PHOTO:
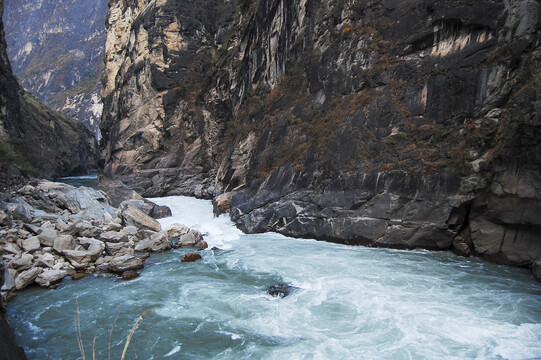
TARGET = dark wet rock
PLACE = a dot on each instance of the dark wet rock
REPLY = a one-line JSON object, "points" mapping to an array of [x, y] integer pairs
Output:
{"points": [[160, 212], [129, 275], [536, 270], [280, 290], [144, 256], [78, 276], [202, 245], [190, 257]]}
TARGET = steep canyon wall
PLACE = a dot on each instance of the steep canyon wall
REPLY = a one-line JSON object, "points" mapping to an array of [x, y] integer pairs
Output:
{"points": [[383, 123]]}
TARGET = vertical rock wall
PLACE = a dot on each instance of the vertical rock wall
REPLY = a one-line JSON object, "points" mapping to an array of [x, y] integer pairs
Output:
{"points": [[401, 124]]}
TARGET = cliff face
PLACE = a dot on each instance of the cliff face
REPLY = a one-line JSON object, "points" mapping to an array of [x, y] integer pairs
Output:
{"points": [[56, 50], [33, 136], [153, 133], [384, 123]]}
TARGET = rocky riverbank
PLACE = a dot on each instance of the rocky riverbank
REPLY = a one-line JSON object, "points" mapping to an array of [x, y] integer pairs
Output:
{"points": [[51, 230]]}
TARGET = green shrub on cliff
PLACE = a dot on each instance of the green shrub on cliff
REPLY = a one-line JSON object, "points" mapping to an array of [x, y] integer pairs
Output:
{"points": [[9, 156]]}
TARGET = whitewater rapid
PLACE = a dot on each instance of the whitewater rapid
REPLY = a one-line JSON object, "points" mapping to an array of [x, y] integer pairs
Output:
{"points": [[349, 303]]}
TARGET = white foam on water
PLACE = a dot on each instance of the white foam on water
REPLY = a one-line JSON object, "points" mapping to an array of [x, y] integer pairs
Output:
{"points": [[197, 214], [173, 351], [350, 302]]}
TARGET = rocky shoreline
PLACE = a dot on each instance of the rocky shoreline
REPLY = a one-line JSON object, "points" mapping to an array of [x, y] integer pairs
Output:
{"points": [[50, 231]]}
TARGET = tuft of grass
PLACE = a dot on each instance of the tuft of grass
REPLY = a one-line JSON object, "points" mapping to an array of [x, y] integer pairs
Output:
{"points": [[77, 321], [9, 156]]}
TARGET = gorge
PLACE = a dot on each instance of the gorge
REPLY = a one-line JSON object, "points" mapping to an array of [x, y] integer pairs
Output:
{"points": [[408, 124], [405, 125]]}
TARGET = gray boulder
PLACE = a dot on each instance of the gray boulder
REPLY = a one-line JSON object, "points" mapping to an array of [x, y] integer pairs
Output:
{"points": [[45, 261], [12, 248], [21, 262], [31, 244], [49, 277], [90, 204], [94, 248], [157, 243], [177, 230], [9, 279], [117, 249], [63, 243], [125, 262], [190, 239], [5, 219], [86, 229], [114, 236], [47, 237], [135, 217], [79, 259], [21, 212], [26, 277]]}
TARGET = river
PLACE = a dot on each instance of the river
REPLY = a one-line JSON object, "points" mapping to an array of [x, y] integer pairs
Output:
{"points": [[348, 303]]}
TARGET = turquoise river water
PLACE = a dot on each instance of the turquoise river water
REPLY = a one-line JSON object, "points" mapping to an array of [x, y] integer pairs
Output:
{"points": [[349, 303]]}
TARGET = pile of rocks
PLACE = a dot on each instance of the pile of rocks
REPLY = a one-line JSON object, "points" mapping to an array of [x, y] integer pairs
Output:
{"points": [[49, 231]]}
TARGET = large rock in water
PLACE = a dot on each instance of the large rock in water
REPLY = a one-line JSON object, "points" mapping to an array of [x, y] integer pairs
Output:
{"points": [[190, 257]]}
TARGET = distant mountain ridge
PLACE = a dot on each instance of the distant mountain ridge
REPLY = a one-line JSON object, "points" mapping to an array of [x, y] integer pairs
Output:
{"points": [[36, 138], [56, 50]]}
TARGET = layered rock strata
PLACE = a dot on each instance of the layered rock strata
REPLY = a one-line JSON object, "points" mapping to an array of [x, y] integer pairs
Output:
{"points": [[400, 124]]}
